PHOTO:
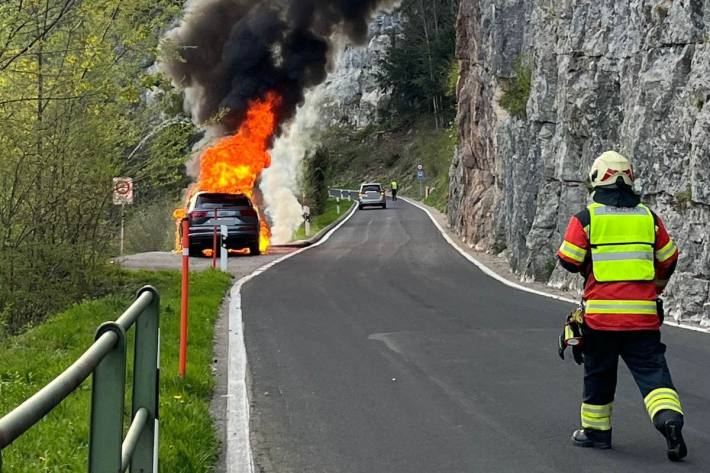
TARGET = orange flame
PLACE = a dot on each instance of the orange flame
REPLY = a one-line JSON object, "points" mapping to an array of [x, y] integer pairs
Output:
{"points": [[235, 163]]}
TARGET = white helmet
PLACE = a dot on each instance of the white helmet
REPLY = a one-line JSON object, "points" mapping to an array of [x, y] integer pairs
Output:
{"points": [[608, 167]]}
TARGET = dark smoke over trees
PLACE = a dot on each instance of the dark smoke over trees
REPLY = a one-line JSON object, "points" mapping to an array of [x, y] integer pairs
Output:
{"points": [[229, 52]]}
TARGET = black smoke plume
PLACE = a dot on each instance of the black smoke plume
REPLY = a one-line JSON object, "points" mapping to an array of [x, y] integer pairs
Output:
{"points": [[229, 52]]}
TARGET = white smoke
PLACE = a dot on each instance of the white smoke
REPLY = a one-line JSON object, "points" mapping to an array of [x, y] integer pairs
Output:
{"points": [[279, 183]]}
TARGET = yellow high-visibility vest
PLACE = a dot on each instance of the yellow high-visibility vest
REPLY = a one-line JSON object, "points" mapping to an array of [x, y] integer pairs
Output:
{"points": [[393, 185], [622, 240]]}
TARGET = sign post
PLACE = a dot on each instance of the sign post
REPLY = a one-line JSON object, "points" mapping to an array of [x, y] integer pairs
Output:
{"points": [[307, 219], [122, 195], [420, 178]]}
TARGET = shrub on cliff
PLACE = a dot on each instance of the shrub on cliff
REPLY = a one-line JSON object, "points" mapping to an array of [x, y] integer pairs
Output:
{"points": [[515, 96]]}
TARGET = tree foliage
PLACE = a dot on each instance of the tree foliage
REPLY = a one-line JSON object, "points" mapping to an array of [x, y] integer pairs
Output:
{"points": [[76, 99], [314, 180], [420, 65]]}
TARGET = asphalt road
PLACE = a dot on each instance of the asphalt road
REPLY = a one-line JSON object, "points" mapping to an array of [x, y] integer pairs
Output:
{"points": [[385, 351]]}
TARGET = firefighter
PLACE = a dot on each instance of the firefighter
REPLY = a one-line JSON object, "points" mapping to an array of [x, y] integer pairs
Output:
{"points": [[626, 257]]}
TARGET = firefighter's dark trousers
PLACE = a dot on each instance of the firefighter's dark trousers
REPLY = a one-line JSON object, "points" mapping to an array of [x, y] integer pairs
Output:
{"points": [[644, 354]]}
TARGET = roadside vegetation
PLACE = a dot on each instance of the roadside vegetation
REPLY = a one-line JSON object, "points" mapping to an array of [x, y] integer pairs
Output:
{"points": [[59, 442], [80, 103]]}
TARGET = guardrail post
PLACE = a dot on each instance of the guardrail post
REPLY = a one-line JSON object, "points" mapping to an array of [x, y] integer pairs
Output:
{"points": [[107, 393], [146, 384]]}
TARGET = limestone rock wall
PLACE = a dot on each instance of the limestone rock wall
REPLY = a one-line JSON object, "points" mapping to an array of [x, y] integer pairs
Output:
{"points": [[630, 75], [352, 95]]}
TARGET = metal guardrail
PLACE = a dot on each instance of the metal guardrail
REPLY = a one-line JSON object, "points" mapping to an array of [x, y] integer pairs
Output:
{"points": [[106, 359], [343, 194]]}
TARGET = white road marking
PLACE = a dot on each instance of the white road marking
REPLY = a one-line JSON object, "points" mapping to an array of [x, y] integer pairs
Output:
{"points": [[519, 287], [239, 454]]}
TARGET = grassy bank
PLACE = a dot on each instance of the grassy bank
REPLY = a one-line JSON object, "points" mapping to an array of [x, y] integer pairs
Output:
{"points": [[319, 222], [380, 153], [59, 443]]}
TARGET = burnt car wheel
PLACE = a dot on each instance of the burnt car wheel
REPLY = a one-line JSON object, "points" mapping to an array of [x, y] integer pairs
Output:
{"points": [[254, 250], [196, 250]]}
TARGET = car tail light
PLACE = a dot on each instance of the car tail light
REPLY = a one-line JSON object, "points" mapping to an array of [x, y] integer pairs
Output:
{"points": [[197, 214], [248, 213]]}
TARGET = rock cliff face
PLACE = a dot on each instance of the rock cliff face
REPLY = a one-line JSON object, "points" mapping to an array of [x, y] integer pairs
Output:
{"points": [[630, 75], [352, 95]]}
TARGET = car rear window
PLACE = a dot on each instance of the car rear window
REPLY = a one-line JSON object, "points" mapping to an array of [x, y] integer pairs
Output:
{"points": [[211, 201], [371, 188]]}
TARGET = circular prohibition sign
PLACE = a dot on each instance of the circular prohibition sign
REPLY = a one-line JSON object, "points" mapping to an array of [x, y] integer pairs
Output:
{"points": [[123, 187]]}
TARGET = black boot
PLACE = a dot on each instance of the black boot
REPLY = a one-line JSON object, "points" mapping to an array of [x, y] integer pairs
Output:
{"points": [[591, 438], [670, 424]]}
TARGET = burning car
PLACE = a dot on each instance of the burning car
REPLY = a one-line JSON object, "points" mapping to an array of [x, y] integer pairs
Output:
{"points": [[206, 210]]}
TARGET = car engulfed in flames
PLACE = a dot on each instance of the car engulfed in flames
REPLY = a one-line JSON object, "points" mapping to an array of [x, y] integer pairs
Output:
{"points": [[232, 167]]}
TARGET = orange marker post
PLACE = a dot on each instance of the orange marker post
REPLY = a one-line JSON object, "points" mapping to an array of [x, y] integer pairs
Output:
{"points": [[214, 243], [185, 291]]}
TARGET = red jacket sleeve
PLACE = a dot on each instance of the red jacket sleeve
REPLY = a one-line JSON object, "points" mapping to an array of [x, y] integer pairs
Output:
{"points": [[666, 254], [575, 246]]}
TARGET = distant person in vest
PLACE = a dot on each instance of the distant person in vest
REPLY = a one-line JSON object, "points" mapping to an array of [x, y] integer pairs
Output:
{"points": [[393, 187], [626, 257]]}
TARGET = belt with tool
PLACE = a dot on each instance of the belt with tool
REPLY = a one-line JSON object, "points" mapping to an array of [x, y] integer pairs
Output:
{"points": [[571, 335]]}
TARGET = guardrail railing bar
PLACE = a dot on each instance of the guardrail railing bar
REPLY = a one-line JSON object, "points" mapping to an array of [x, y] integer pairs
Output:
{"points": [[131, 440], [107, 393], [19, 420], [146, 383], [143, 300], [106, 359]]}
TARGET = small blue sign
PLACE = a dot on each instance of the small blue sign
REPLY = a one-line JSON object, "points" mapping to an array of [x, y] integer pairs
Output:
{"points": [[420, 175]]}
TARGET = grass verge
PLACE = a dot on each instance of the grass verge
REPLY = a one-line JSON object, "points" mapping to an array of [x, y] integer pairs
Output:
{"points": [[59, 442], [319, 222]]}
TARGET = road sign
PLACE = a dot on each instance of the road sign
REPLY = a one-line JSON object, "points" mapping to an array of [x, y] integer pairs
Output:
{"points": [[420, 167], [420, 175], [122, 190]]}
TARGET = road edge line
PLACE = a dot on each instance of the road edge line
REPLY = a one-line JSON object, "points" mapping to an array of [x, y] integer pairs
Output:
{"points": [[485, 269], [239, 456]]}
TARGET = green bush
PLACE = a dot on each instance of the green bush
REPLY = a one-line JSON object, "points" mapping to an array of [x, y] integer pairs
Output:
{"points": [[683, 198], [151, 227], [515, 96]]}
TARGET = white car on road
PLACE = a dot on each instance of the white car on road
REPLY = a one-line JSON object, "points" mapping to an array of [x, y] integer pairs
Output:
{"points": [[371, 194]]}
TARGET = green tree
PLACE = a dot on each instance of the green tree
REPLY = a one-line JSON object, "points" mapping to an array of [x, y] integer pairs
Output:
{"points": [[418, 67], [76, 97], [315, 176]]}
